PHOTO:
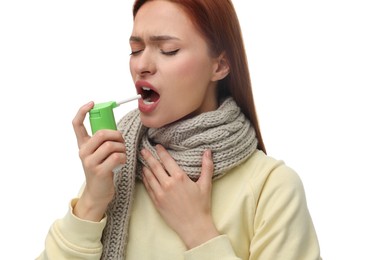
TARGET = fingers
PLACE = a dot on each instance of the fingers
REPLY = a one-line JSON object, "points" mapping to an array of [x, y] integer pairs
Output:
{"points": [[169, 167], [205, 180], [168, 162], [114, 161], [103, 137], [104, 151], [78, 123], [150, 182], [157, 169]]}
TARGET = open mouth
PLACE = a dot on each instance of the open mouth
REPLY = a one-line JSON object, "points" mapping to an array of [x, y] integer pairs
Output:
{"points": [[149, 96]]}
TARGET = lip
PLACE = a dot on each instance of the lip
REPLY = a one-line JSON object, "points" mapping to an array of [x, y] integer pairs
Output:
{"points": [[143, 107]]}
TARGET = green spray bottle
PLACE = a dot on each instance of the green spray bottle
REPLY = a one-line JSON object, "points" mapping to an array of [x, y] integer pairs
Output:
{"points": [[101, 116]]}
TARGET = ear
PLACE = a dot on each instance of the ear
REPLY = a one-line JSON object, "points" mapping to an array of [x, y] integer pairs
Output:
{"points": [[220, 68]]}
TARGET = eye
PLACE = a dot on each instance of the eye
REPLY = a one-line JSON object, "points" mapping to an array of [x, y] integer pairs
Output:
{"points": [[133, 53], [170, 53]]}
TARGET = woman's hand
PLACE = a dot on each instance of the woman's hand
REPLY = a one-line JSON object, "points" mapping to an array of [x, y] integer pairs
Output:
{"points": [[99, 155], [185, 205]]}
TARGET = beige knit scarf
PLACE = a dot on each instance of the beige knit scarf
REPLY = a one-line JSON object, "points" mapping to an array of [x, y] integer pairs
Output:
{"points": [[225, 131]]}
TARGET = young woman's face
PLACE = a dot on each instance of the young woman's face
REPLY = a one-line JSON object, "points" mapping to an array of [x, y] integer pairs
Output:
{"points": [[171, 65]]}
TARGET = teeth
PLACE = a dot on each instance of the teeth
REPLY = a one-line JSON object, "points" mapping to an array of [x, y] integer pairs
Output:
{"points": [[147, 101]]}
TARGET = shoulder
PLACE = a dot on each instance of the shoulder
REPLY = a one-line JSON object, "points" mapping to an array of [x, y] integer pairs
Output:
{"points": [[282, 223], [265, 173]]}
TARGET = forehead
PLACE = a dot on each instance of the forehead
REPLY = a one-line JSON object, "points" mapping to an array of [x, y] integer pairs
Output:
{"points": [[162, 18]]}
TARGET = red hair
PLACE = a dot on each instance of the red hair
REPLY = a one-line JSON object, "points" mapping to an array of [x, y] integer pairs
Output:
{"points": [[217, 21]]}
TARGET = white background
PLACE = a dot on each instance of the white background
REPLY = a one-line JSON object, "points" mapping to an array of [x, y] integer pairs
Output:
{"points": [[307, 66]]}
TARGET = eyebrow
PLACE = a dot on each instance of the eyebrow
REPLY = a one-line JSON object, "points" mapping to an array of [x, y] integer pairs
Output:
{"points": [[157, 38]]}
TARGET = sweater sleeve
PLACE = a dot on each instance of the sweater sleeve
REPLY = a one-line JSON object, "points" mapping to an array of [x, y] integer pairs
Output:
{"points": [[283, 228], [73, 238]]}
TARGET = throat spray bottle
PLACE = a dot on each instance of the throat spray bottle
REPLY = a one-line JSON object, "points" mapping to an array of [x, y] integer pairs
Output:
{"points": [[101, 116]]}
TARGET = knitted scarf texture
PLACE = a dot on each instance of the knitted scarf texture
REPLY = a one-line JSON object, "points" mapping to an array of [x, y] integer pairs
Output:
{"points": [[225, 131]]}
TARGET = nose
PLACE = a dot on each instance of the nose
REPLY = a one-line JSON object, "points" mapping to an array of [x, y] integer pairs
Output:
{"points": [[144, 63]]}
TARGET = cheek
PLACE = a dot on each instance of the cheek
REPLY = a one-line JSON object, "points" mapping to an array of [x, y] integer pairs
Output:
{"points": [[189, 69], [188, 81], [131, 69]]}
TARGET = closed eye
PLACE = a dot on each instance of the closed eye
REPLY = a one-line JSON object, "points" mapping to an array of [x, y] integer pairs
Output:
{"points": [[170, 53], [133, 53]]}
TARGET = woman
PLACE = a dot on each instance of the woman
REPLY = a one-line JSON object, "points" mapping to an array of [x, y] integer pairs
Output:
{"points": [[195, 182]]}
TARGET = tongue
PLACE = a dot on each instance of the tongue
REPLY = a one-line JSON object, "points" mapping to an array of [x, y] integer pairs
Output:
{"points": [[152, 96]]}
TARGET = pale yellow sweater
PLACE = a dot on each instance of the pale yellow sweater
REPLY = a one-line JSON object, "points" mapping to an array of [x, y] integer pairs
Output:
{"points": [[259, 208]]}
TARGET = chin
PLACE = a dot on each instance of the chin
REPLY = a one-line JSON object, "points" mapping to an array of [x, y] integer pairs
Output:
{"points": [[151, 122]]}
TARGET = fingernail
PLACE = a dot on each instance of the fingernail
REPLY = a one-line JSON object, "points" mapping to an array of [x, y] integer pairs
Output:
{"points": [[208, 153], [90, 104], [143, 152]]}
